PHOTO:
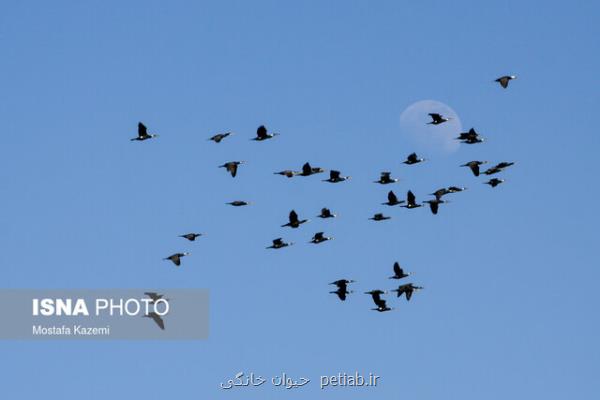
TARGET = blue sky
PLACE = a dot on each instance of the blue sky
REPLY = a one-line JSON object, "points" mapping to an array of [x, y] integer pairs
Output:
{"points": [[510, 304]]}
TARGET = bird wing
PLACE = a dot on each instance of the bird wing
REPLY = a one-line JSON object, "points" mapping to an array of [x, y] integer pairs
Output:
{"points": [[306, 169], [397, 269], [409, 293], [232, 168], [334, 175], [412, 157], [434, 206], [341, 294], [293, 217], [475, 169], [392, 197], [261, 132], [319, 235], [435, 117], [142, 130], [278, 241], [325, 212], [410, 197], [386, 174]]}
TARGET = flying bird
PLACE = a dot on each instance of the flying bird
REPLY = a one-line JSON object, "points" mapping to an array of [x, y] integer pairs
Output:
{"points": [[143, 133], [379, 217], [456, 189], [407, 289], [238, 203], [287, 173], [386, 178], [412, 159], [411, 201], [279, 243], [320, 237], [335, 177], [437, 119], [191, 236], [294, 222], [494, 182], [342, 288], [493, 170], [504, 164], [176, 258], [220, 136], [504, 80], [326, 213], [262, 134], [379, 302], [392, 199], [308, 170], [398, 272], [232, 167], [156, 318], [470, 137]]}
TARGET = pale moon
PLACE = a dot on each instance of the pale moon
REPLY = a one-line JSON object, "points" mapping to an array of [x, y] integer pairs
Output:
{"points": [[440, 138]]}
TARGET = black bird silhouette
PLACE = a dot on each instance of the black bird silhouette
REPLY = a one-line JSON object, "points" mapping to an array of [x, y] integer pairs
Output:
{"points": [[143, 133], [474, 166], [191, 236], [288, 173], [156, 318], [503, 80], [492, 170], [392, 199], [262, 134], [386, 178], [294, 221], [504, 164], [320, 237], [434, 204], [411, 201], [437, 119], [470, 137], [279, 243], [399, 272], [412, 159], [494, 182], [326, 213], [176, 258], [379, 217], [308, 170], [342, 288], [379, 302], [238, 203], [456, 189], [219, 136], [232, 167], [335, 177], [407, 289]]}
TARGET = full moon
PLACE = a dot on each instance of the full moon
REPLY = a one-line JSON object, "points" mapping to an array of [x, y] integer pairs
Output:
{"points": [[438, 138]]}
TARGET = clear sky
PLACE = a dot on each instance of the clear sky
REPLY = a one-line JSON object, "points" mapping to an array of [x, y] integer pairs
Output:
{"points": [[510, 306]]}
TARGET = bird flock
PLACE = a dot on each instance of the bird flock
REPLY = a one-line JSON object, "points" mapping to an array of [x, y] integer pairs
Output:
{"points": [[335, 176]]}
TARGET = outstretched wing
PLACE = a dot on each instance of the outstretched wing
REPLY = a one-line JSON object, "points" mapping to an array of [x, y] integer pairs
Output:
{"points": [[397, 269], [410, 197], [392, 199], [232, 168], [412, 157], [142, 130], [334, 175], [293, 217], [306, 169], [261, 132]]}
